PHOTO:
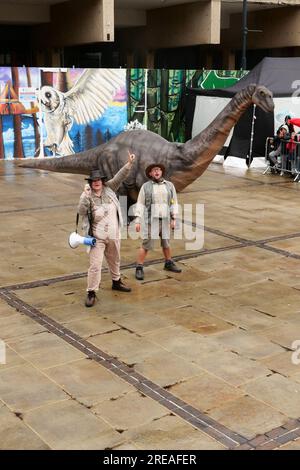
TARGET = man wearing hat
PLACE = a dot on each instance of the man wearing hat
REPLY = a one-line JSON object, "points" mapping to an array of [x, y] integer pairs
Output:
{"points": [[157, 206], [102, 218]]}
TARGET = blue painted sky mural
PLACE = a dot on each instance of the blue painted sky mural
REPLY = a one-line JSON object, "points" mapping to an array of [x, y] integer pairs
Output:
{"points": [[28, 138], [13, 79]]}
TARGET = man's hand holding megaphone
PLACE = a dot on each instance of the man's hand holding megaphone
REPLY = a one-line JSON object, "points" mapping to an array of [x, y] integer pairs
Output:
{"points": [[87, 190]]}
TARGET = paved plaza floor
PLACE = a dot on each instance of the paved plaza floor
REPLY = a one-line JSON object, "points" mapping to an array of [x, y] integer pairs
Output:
{"points": [[198, 360]]}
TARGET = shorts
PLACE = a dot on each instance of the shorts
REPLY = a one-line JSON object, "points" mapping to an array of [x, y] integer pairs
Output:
{"points": [[158, 229]]}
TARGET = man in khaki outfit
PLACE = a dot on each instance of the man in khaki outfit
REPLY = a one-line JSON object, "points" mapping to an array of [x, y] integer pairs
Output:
{"points": [[157, 208], [101, 212]]}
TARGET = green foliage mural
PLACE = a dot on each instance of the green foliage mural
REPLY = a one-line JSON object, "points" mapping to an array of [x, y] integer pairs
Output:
{"points": [[136, 94], [166, 96]]}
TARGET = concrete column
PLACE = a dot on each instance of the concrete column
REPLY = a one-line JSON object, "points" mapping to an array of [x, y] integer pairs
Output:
{"points": [[108, 25], [215, 21], [77, 22], [279, 29], [188, 24]]}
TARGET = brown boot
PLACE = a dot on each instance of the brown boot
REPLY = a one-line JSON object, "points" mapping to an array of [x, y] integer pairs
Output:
{"points": [[171, 266], [118, 285], [139, 272], [90, 298]]}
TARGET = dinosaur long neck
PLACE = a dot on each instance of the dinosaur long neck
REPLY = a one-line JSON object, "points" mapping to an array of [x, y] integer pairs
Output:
{"points": [[199, 152]]}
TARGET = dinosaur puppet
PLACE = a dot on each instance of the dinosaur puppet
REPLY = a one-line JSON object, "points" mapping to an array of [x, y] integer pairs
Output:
{"points": [[184, 162]]}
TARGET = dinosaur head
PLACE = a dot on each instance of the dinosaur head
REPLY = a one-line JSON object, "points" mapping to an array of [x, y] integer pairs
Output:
{"points": [[263, 98]]}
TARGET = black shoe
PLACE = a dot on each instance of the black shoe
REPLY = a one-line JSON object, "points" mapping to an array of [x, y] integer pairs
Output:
{"points": [[171, 266], [90, 298], [118, 285], [139, 272]]}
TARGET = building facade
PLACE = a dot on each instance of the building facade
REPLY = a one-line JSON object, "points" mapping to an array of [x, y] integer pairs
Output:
{"points": [[146, 33]]}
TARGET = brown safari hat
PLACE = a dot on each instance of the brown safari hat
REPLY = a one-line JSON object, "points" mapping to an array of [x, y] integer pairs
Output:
{"points": [[96, 175], [154, 165]]}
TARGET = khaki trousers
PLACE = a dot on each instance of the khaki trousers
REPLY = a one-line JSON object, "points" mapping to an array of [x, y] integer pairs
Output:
{"points": [[111, 250]]}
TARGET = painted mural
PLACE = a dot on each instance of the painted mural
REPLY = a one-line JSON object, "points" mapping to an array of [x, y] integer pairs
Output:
{"points": [[19, 129], [165, 99], [82, 108], [55, 112]]}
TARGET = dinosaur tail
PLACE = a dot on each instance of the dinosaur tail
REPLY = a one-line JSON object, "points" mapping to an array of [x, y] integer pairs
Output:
{"points": [[80, 163]]}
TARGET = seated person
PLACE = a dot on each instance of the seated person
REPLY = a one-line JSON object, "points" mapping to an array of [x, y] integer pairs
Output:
{"points": [[276, 145]]}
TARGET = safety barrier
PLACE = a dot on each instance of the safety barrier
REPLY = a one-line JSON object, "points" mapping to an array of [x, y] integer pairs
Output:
{"points": [[283, 159]]}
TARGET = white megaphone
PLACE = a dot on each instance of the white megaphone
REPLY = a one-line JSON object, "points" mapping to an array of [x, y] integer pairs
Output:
{"points": [[75, 240]]}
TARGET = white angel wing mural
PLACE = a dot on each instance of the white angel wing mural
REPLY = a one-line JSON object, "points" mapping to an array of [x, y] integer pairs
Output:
{"points": [[85, 102]]}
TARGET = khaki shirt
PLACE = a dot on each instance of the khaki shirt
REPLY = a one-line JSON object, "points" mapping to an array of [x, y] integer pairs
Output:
{"points": [[160, 206], [100, 204]]}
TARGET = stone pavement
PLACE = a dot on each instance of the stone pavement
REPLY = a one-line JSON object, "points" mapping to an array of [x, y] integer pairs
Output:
{"points": [[200, 360]]}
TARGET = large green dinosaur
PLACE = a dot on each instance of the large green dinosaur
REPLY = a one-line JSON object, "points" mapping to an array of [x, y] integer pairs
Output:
{"points": [[184, 162]]}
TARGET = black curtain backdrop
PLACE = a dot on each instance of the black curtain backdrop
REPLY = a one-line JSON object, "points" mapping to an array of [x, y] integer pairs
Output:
{"points": [[241, 139], [279, 75]]}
